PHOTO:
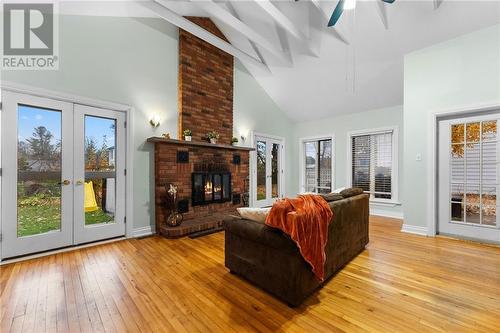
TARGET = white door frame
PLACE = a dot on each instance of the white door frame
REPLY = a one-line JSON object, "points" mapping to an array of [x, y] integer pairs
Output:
{"points": [[302, 160], [75, 99], [253, 170], [432, 148]]}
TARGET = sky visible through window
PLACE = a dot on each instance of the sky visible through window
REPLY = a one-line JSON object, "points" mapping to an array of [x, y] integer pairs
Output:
{"points": [[31, 117]]}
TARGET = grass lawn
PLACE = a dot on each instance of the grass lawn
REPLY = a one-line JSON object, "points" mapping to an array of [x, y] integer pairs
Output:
{"points": [[45, 215]]}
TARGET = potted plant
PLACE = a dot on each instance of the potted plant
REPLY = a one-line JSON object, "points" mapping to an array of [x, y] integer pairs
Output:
{"points": [[188, 135], [234, 141], [213, 136]]}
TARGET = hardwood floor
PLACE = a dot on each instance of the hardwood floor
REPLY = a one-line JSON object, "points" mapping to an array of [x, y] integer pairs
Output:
{"points": [[400, 283]]}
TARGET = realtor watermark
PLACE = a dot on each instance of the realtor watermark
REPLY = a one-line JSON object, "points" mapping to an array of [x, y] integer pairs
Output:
{"points": [[30, 36]]}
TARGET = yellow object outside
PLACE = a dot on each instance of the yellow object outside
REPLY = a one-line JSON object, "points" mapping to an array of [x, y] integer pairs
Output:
{"points": [[90, 202]]}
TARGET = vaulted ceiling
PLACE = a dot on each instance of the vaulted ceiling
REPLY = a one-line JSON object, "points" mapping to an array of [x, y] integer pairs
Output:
{"points": [[310, 70]]}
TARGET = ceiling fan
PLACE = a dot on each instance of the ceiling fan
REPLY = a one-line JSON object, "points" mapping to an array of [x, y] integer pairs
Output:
{"points": [[345, 5]]}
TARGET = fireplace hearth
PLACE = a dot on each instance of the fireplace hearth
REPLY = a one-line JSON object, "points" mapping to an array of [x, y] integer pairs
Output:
{"points": [[210, 187]]}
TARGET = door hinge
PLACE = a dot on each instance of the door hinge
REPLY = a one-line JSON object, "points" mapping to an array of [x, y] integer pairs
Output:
{"points": [[125, 124], [125, 220], [0, 172], [125, 172], [1, 106], [1, 237]]}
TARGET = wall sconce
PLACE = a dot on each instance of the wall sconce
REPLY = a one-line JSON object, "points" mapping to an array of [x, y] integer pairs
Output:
{"points": [[155, 121], [243, 132]]}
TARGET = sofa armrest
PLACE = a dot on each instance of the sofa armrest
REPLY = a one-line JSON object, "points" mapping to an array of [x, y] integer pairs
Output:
{"points": [[259, 233]]}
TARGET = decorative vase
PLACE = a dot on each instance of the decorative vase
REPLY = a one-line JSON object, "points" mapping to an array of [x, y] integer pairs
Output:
{"points": [[174, 219], [213, 141], [188, 138]]}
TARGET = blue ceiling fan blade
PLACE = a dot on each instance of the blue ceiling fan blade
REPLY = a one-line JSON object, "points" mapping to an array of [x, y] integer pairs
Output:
{"points": [[336, 13], [389, 1]]}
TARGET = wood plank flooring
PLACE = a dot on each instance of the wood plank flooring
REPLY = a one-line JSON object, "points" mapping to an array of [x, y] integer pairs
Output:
{"points": [[400, 283]]}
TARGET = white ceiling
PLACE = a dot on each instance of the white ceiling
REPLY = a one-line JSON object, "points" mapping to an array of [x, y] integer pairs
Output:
{"points": [[312, 73]]}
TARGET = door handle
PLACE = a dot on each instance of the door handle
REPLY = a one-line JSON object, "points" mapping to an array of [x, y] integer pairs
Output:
{"points": [[65, 182], [79, 182]]}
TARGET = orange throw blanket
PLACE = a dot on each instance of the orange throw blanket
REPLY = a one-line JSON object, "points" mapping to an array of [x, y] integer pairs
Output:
{"points": [[305, 219]]}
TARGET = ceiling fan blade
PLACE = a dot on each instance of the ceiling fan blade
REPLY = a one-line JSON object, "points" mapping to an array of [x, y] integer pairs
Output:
{"points": [[389, 1], [339, 9]]}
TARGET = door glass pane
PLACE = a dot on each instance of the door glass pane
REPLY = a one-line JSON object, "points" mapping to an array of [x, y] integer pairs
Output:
{"points": [[489, 165], [325, 166], [457, 202], [100, 175], [457, 133], [39, 171], [311, 158], [489, 205], [457, 163], [472, 132], [473, 155], [489, 130], [275, 169], [472, 208], [261, 170]]}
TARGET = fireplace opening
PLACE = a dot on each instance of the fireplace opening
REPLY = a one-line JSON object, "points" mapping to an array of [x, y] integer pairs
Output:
{"points": [[211, 187]]}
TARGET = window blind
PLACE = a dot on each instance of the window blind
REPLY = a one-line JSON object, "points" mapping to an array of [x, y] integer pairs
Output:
{"points": [[372, 164]]}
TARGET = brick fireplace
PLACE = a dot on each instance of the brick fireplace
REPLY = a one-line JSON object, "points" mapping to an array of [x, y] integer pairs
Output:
{"points": [[212, 179]]}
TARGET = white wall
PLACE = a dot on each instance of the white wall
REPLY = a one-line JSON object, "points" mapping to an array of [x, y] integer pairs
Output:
{"points": [[460, 73], [135, 61], [340, 126]]}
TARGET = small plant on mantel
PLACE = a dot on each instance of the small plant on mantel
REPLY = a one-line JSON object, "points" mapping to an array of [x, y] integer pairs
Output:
{"points": [[213, 136], [188, 135], [234, 141]]}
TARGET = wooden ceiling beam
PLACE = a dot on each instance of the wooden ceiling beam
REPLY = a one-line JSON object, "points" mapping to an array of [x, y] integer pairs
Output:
{"points": [[218, 12], [159, 7]]}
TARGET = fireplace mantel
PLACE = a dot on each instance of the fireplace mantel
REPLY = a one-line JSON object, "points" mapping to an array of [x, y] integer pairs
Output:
{"points": [[157, 139]]}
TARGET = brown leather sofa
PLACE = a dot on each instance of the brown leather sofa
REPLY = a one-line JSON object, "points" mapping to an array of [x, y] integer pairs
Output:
{"points": [[271, 260]]}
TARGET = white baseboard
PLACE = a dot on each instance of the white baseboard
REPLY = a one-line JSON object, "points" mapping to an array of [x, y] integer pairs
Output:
{"points": [[386, 213], [412, 229], [142, 232]]}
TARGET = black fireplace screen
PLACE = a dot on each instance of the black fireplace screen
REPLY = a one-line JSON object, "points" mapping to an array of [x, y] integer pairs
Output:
{"points": [[211, 187]]}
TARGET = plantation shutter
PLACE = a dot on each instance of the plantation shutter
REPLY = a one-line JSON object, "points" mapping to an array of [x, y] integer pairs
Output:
{"points": [[372, 164]]}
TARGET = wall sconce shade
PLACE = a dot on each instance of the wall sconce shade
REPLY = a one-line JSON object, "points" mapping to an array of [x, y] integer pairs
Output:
{"points": [[155, 121]]}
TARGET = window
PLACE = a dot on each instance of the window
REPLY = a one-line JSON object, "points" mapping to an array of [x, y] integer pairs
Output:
{"points": [[374, 164], [317, 165]]}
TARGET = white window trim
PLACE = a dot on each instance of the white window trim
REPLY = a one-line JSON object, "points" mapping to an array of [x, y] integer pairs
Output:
{"points": [[302, 187], [394, 201]]}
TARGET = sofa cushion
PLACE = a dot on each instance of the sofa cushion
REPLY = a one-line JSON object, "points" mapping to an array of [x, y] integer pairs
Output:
{"points": [[350, 192], [254, 214], [332, 197]]}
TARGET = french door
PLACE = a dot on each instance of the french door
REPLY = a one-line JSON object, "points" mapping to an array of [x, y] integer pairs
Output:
{"points": [[469, 170], [268, 170], [61, 184], [99, 173]]}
